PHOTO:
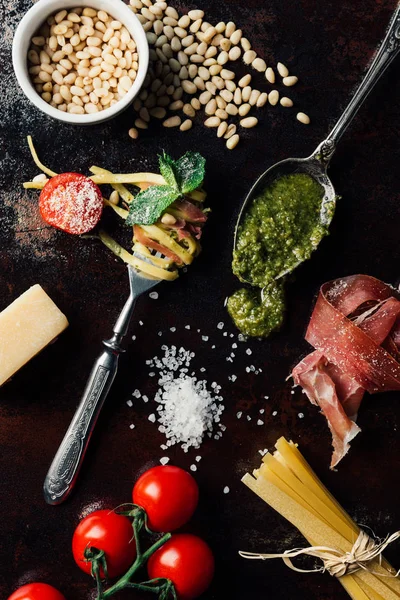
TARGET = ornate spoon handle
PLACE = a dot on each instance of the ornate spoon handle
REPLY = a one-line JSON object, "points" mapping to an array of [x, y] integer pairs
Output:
{"points": [[384, 56], [65, 467], [386, 53]]}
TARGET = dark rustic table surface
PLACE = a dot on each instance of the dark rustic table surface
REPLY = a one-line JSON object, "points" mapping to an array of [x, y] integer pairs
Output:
{"points": [[329, 45]]}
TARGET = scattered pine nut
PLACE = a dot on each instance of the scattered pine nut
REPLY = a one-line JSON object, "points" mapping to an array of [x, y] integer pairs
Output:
{"points": [[189, 69], [172, 121], [222, 129], [186, 125], [273, 97], [114, 198], [249, 122], [259, 64], [244, 81], [232, 142], [289, 81], [287, 102], [133, 133], [282, 70], [212, 122], [230, 131], [249, 57], [270, 75], [303, 118]]}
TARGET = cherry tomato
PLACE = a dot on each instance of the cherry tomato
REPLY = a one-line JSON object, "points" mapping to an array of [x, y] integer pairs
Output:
{"points": [[71, 202], [169, 495], [187, 561], [105, 530], [37, 591]]}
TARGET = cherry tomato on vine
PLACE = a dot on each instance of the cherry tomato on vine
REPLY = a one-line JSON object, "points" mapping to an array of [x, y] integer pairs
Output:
{"points": [[105, 530], [36, 591], [187, 561], [169, 495], [71, 202]]}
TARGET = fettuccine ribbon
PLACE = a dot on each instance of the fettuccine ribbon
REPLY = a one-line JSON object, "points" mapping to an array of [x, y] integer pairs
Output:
{"points": [[364, 550]]}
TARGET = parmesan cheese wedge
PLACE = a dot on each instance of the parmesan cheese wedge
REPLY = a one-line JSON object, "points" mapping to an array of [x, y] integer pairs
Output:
{"points": [[27, 325]]}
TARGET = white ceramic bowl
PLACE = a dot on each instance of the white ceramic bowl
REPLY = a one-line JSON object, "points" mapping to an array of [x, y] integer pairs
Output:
{"points": [[37, 15]]}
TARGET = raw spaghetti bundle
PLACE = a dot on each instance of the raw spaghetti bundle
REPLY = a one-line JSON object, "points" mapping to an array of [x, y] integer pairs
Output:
{"points": [[286, 482]]}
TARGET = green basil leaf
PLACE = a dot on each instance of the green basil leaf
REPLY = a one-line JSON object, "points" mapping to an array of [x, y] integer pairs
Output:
{"points": [[189, 171], [149, 205]]}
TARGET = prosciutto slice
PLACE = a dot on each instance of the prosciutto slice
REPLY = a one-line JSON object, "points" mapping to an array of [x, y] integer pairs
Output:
{"points": [[355, 330]]}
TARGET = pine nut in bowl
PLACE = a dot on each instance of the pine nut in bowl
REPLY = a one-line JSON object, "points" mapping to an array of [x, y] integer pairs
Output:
{"points": [[80, 61]]}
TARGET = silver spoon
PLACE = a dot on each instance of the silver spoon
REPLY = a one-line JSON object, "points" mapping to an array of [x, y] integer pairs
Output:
{"points": [[64, 470], [317, 164]]}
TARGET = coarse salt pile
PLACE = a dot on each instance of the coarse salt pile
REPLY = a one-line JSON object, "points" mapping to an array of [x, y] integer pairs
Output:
{"points": [[187, 409]]}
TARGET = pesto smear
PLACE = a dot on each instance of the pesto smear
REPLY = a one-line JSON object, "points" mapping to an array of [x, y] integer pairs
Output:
{"points": [[281, 229]]}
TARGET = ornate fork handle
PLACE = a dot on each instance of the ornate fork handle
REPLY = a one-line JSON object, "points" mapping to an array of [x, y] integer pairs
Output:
{"points": [[65, 467], [386, 53]]}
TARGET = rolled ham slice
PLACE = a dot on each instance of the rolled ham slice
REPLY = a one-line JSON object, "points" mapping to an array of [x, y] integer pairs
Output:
{"points": [[355, 330]]}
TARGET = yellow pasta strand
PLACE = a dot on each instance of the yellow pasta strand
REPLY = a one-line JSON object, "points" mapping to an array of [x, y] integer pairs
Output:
{"points": [[35, 157]]}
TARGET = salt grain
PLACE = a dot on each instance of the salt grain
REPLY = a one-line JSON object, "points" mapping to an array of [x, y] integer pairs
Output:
{"points": [[248, 351], [136, 394], [301, 415], [260, 422], [145, 398], [152, 418], [131, 426], [153, 295], [274, 413], [204, 338], [238, 415], [129, 402], [226, 490], [198, 458], [173, 329], [221, 325], [193, 467], [164, 460]]}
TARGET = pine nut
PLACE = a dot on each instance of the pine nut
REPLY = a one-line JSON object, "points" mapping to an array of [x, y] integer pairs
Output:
{"points": [[226, 74], [209, 34], [222, 129], [140, 124], [229, 29], [176, 105], [246, 93], [262, 100], [186, 125], [211, 107], [286, 102], [244, 42], [189, 87], [236, 36], [133, 133], [234, 53], [273, 97], [172, 122], [220, 27], [303, 118], [230, 131], [230, 85], [194, 28], [259, 65], [282, 70], [189, 110], [158, 112], [270, 75], [215, 69], [195, 103], [232, 142], [221, 113], [194, 15], [249, 122], [254, 96], [289, 81], [244, 81], [232, 109], [212, 122], [237, 96], [249, 57]]}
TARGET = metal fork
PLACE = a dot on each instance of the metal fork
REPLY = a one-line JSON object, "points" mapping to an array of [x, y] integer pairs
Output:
{"points": [[62, 475]]}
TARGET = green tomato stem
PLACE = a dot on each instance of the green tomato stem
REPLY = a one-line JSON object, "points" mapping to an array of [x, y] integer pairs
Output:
{"points": [[141, 559]]}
